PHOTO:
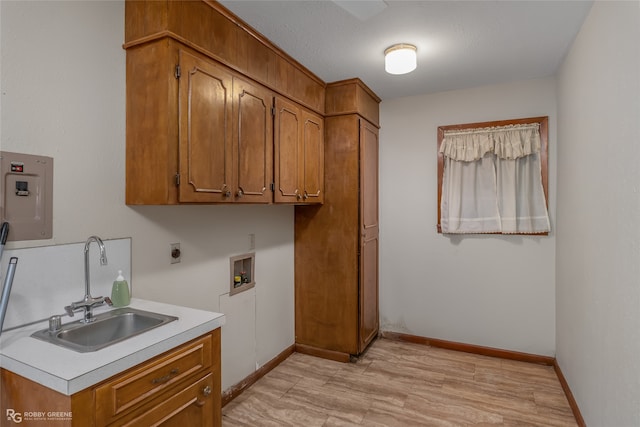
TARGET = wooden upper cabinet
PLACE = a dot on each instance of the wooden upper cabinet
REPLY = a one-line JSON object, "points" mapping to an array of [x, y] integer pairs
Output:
{"points": [[253, 142], [200, 111], [152, 124], [286, 152], [313, 157], [206, 131], [298, 154], [197, 132], [226, 135]]}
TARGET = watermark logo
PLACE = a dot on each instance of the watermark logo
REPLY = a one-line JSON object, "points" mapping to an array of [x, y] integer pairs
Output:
{"points": [[18, 417], [14, 416]]}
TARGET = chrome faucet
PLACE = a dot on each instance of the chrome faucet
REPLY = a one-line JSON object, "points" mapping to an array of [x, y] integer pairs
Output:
{"points": [[88, 302]]}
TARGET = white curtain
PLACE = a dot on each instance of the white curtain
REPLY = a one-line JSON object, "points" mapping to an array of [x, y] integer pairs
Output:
{"points": [[492, 181]]}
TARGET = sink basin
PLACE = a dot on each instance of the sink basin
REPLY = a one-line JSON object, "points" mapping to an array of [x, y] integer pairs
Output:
{"points": [[107, 329]]}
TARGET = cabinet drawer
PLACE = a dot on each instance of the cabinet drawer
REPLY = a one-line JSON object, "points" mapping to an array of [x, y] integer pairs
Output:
{"points": [[190, 406], [145, 382]]}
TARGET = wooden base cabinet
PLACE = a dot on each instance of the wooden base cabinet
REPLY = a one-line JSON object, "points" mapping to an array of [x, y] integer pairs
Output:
{"points": [[178, 388], [336, 244]]}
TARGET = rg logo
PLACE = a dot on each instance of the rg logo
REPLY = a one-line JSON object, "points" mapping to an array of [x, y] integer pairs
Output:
{"points": [[14, 416]]}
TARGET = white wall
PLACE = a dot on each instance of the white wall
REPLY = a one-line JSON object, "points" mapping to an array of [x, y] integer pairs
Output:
{"points": [[598, 216], [63, 95], [495, 291], [35, 296]]}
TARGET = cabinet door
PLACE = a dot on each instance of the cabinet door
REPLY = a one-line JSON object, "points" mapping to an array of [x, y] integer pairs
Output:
{"points": [[253, 142], [152, 124], [313, 158], [369, 323], [299, 154], [287, 156], [205, 131]]}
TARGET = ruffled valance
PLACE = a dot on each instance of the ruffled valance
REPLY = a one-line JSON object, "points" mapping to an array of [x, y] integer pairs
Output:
{"points": [[506, 142]]}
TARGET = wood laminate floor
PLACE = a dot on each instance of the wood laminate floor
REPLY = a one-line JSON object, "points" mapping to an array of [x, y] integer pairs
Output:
{"points": [[403, 384]]}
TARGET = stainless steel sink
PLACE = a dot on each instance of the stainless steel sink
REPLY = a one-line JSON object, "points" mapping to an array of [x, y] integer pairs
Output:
{"points": [[107, 329]]}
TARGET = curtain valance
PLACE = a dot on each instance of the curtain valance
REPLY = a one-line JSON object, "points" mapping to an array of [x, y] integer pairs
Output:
{"points": [[492, 177], [506, 142]]}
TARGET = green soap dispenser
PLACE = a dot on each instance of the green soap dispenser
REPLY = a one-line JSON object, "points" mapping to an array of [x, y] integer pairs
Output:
{"points": [[120, 295]]}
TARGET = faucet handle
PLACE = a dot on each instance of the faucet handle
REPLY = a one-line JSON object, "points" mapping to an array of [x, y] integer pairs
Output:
{"points": [[69, 310], [55, 323]]}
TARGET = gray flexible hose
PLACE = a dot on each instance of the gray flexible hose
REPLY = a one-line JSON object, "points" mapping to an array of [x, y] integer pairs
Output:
{"points": [[6, 289], [4, 232]]}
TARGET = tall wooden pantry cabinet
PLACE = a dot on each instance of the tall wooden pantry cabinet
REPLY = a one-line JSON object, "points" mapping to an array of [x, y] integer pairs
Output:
{"points": [[336, 244]]}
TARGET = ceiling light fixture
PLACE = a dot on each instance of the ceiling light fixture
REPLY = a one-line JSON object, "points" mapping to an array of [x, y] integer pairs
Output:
{"points": [[400, 58]]}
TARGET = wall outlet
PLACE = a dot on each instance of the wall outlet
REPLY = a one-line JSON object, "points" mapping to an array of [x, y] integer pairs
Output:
{"points": [[252, 241], [176, 255]]}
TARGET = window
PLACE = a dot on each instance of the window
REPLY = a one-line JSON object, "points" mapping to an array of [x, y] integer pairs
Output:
{"points": [[492, 177]]}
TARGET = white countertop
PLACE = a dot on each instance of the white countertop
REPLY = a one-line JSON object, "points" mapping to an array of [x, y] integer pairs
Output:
{"points": [[68, 371]]}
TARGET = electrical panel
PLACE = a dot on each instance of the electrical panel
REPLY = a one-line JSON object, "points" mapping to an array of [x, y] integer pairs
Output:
{"points": [[26, 195]]}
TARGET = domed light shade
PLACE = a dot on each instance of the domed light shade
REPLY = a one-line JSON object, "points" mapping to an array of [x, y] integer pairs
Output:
{"points": [[400, 58]]}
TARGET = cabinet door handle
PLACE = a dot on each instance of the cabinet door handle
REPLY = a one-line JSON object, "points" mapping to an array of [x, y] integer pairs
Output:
{"points": [[306, 195], [165, 378], [206, 391], [240, 192]]}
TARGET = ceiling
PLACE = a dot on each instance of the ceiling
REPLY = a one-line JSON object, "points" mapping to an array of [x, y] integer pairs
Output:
{"points": [[461, 44]]}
